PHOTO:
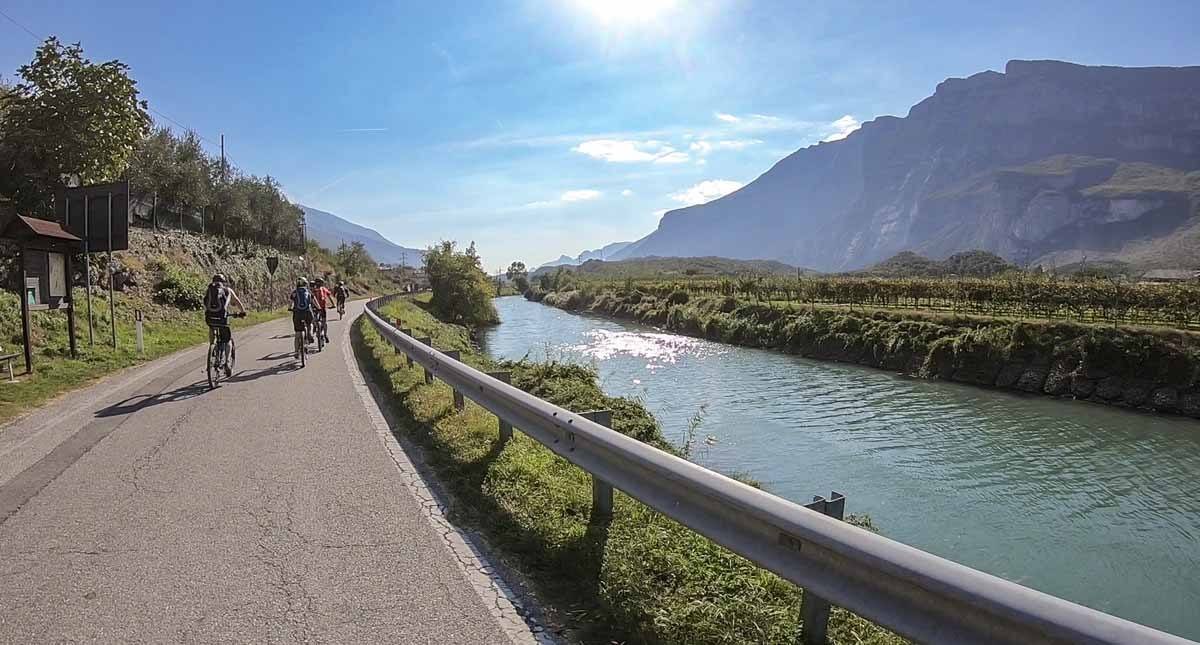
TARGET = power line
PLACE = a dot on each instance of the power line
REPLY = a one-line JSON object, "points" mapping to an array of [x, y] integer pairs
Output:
{"points": [[23, 27]]}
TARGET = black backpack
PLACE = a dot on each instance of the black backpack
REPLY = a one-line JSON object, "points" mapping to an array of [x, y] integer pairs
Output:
{"points": [[214, 298]]}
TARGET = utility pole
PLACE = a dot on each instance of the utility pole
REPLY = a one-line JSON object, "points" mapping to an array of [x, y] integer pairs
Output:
{"points": [[224, 184]]}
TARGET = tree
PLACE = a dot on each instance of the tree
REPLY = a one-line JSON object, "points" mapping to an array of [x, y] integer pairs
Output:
{"points": [[519, 276], [462, 293], [68, 115], [353, 259]]}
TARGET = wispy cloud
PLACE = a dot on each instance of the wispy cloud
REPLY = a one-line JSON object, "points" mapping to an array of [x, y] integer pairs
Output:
{"points": [[363, 130], [583, 195], [452, 66], [705, 191], [704, 147], [728, 118], [842, 128], [630, 151], [568, 197], [626, 193]]}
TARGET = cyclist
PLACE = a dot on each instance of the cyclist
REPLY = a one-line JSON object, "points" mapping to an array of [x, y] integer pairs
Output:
{"points": [[322, 301], [341, 293], [217, 299], [302, 309]]}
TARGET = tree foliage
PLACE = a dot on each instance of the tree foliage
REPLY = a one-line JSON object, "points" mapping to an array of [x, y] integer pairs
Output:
{"points": [[519, 275], [462, 293], [353, 259], [66, 116]]}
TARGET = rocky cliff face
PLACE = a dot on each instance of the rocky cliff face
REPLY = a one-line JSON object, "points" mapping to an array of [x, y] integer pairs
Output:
{"points": [[1044, 160]]}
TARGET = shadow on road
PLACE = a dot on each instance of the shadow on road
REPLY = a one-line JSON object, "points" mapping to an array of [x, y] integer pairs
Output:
{"points": [[143, 401], [278, 356], [245, 376]]}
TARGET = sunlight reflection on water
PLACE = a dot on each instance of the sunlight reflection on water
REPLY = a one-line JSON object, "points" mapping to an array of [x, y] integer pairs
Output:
{"points": [[604, 344]]}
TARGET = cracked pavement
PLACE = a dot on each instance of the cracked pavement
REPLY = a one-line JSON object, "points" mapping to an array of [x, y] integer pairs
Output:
{"points": [[277, 508]]}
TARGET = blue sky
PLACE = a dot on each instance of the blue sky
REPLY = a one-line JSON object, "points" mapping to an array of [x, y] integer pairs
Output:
{"points": [[539, 127]]}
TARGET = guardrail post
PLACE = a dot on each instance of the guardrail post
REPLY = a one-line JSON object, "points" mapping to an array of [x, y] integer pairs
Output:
{"points": [[459, 402], [397, 324], [505, 427], [428, 375], [407, 359], [602, 491], [814, 610]]}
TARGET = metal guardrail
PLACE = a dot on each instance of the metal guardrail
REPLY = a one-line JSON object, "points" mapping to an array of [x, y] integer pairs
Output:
{"points": [[913, 593]]}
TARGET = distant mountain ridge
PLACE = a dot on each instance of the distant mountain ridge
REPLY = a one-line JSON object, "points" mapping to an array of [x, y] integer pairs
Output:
{"points": [[603, 253], [1047, 162], [330, 231]]}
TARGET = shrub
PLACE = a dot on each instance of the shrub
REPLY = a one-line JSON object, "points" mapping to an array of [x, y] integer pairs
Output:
{"points": [[678, 297], [181, 288]]}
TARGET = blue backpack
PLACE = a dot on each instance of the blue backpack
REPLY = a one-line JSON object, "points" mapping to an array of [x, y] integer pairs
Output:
{"points": [[302, 299]]}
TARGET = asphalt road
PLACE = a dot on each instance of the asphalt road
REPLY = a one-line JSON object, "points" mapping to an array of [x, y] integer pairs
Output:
{"points": [[150, 509]]}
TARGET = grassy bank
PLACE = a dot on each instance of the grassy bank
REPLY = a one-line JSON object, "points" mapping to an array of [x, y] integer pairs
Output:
{"points": [[165, 330], [641, 578], [1149, 369]]}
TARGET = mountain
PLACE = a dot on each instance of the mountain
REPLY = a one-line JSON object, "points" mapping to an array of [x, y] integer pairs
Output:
{"points": [[602, 253], [677, 267], [1046, 162], [329, 231]]}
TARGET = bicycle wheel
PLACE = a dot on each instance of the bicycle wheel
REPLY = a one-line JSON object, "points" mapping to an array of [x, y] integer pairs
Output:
{"points": [[232, 359], [320, 336], [212, 365]]}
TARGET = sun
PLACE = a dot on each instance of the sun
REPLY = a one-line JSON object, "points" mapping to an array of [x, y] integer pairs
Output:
{"points": [[626, 11]]}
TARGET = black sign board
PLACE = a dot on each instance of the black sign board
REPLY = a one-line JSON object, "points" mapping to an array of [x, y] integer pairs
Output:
{"points": [[272, 264], [84, 211]]}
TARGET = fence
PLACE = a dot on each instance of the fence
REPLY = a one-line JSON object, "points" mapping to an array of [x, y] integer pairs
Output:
{"points": [[915, 594]]}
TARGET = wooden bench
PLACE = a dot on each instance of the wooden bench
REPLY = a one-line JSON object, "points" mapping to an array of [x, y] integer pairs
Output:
{"points": [[7, 360]]}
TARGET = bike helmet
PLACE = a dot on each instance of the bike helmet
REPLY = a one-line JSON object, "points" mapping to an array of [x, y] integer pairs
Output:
{"points": [[302, 282], [220, 278], [341, 283], [319, 282]]}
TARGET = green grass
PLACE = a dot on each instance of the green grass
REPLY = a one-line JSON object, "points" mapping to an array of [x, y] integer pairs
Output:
{"points": [[166, 330], [641, 578]]}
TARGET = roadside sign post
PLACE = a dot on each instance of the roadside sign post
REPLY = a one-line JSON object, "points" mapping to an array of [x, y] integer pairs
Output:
{"points": [[141, 346], [272, 265], [112, 268]]}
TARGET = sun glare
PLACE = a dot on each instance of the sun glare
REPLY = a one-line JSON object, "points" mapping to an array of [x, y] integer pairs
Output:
{"points": [[626, 11]]}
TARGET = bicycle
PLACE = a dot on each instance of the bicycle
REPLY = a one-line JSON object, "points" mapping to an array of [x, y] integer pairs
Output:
{"points": [[221, 356], [320, 329]]}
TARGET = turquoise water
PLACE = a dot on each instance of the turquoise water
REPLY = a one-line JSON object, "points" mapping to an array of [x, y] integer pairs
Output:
{"points": [[1095, 504]]}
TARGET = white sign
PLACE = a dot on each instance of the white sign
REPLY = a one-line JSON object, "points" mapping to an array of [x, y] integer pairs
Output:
{"points": [[58, 275]]}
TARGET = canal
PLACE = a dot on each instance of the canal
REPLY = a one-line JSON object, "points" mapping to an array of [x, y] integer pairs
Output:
{"points": [[1095, 504]]}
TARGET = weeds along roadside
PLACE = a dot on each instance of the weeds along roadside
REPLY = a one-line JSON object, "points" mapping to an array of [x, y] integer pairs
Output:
{"points": [[642, 578], [165, 331]]}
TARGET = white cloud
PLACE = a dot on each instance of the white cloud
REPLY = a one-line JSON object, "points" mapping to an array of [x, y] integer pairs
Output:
{"points": [[841, 128], [728, 118], [630, 151], [582, 195], [660, 212], [705, 147], [626, 193], [706, 191]]}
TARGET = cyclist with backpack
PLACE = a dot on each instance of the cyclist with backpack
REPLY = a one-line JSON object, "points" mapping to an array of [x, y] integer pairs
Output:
{"points": [[217, 299], [322, 300], [302, 309], [342, 293]]}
